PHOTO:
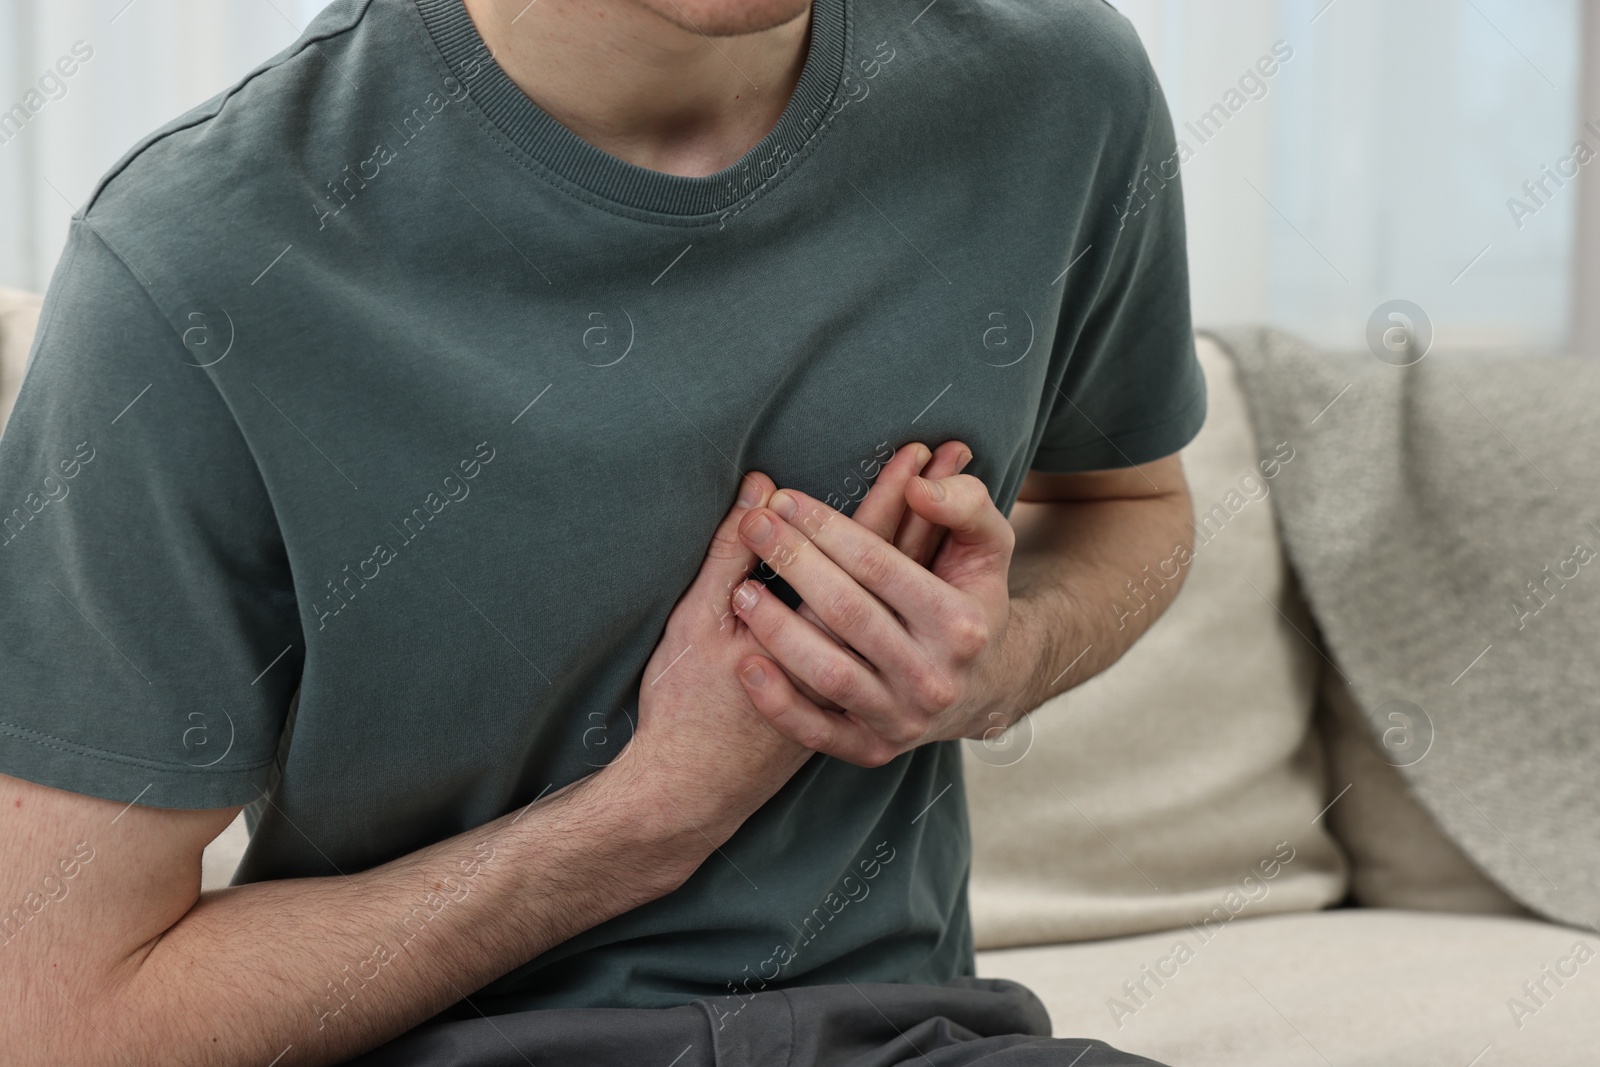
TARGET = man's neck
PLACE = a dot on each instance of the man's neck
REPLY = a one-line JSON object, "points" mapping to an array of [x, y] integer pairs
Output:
{"points": [[635, 85]]}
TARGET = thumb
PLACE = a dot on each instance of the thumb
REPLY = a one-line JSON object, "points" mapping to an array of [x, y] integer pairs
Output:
{"points": [[960, 503], [728, 561]]}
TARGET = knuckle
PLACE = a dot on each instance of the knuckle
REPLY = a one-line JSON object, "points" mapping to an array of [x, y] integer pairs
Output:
{"points": [[878, 756], [874, 565], [907, 732], [837, 683], [815, 738], [969, 633], [848, 612], [935, 692]]}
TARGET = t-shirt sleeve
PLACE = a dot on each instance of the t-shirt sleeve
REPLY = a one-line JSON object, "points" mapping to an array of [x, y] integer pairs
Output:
{"points": [[149, 636], [1132, 390]]}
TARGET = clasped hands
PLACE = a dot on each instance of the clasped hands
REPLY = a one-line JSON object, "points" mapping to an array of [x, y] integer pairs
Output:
{"points": [[907, 632]]}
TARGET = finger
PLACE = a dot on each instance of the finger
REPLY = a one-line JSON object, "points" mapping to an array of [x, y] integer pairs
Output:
{"points": [[838, 598], [798, 719], [858, 558], [809, 656], [976, 531], [918, 538], [728, 560], [885, 503]]}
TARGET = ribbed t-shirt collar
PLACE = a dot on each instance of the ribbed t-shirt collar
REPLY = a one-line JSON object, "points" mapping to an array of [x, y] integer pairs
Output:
{"points": [[604, 175]]}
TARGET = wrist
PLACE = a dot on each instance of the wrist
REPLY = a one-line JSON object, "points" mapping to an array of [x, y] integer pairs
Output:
{"points": [[1029, 655]]}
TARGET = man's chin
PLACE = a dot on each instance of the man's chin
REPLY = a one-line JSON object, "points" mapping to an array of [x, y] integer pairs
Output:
{"points": [[728, 18]]}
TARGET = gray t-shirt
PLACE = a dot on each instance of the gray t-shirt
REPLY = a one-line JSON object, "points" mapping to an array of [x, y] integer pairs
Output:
{"points": [[367, 378]]}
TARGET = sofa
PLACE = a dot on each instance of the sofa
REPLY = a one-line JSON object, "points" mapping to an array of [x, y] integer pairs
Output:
{"points": [[1202, 855]]}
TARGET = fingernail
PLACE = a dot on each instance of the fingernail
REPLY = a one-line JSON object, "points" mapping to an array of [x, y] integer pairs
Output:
{"points": [[923, 455], [745, 598], [758, 529], [749, 493], [961, 464], [935, 490], [755, 676], [783, 503]]}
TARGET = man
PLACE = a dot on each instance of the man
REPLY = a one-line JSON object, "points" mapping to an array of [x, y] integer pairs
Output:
{"points": [[380, 414]]}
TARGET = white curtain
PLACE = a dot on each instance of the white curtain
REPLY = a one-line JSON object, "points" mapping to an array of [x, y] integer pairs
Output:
{"points": [[1376, 162], [133, 66]]}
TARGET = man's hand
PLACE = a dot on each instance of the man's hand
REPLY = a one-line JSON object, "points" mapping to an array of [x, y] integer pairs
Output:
{"points": [[935, 654], [116, 957], [700, 747]]}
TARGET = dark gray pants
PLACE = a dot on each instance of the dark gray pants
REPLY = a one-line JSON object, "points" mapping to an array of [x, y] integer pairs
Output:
{"points": [[962, 1022]]}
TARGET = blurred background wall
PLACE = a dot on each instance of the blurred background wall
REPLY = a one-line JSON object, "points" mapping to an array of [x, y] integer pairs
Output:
{"points": [[1380, 160]]}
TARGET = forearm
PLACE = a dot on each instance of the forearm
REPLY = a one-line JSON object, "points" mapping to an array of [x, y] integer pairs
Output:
{"points": [[317, 970], [1088, 578]]}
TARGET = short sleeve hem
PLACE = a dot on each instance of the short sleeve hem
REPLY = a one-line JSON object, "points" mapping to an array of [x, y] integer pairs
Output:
{"points": [[1129, 449], [76, 768]]}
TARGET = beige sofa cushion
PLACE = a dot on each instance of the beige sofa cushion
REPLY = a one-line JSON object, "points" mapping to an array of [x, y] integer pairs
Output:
{"points": [[1398, 856], [1355, 987], [19, 317], [1184, 782]]}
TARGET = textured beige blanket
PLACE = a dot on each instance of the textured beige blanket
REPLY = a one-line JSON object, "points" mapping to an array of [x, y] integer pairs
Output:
{"points": [[1444, 521]]}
